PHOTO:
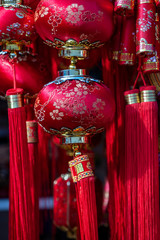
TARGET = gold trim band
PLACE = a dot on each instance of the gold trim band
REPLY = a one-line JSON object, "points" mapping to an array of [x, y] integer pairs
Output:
{"points": [[132, 98], [15, 101], [148, 96]]}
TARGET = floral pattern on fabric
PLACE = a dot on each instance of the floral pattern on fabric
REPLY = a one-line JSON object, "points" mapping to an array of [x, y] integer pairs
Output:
{"points": [[72, 104]]}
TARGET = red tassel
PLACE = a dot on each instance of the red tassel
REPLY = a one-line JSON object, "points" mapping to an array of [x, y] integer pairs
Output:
{"points": [[116, 78], [20, 223], [44, 174], [132, 129], [32, 139], [148, 188], [82, 173]]}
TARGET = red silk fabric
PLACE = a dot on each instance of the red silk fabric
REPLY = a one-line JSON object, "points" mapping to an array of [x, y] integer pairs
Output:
{"points": [[73, 104], [17, 23], [145, 27], [127, 54], [65, 204], [30, 73], [82, 20]]}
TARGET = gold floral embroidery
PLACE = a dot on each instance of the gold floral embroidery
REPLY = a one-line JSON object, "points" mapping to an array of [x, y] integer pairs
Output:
{"points": [[74, 11]]}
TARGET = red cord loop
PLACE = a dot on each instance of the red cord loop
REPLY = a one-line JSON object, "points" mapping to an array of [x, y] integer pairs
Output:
{"points": [[140, 73]]}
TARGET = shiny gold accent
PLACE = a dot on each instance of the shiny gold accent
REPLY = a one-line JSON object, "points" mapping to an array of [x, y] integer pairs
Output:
{"points": [[145, 1], [15, 101], [115, 55], [32, 131], [71, 233], [8, 2], [73, 63], [13, 45], [79, 168], [156, 17], [76, 150], [129, 58], [84, 44], [148, 96], [72, 72], [74, 140], [71, 52], [74, 54], [132, 98], [77, 132]]}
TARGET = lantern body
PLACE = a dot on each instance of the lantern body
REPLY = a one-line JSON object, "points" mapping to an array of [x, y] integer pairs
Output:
{"points": [[57, 21], [65, 204], [31, 73], [17, 23], [74, 103]]}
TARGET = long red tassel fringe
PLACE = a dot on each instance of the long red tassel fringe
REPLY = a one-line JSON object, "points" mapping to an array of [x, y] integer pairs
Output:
{"points": [[148, 188], [20, 223], [86, 199], [32, 139], [132, 128]]}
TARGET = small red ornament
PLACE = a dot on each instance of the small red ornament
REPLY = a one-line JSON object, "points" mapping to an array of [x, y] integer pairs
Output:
{"points": [[72, 104], [17, 24], [65, 204], [82, 21], [145, 27]]}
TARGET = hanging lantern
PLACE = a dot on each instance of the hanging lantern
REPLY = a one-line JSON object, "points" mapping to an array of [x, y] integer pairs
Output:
{"points": [[65, 205], [17, 26], [67, 103], [71, 23], [30, 71], [75, 106]]}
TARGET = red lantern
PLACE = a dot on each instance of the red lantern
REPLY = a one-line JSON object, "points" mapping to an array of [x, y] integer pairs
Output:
{"points": [[84, 22], [65, 204], [30, 73], [68, 103], [17, 24]]}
